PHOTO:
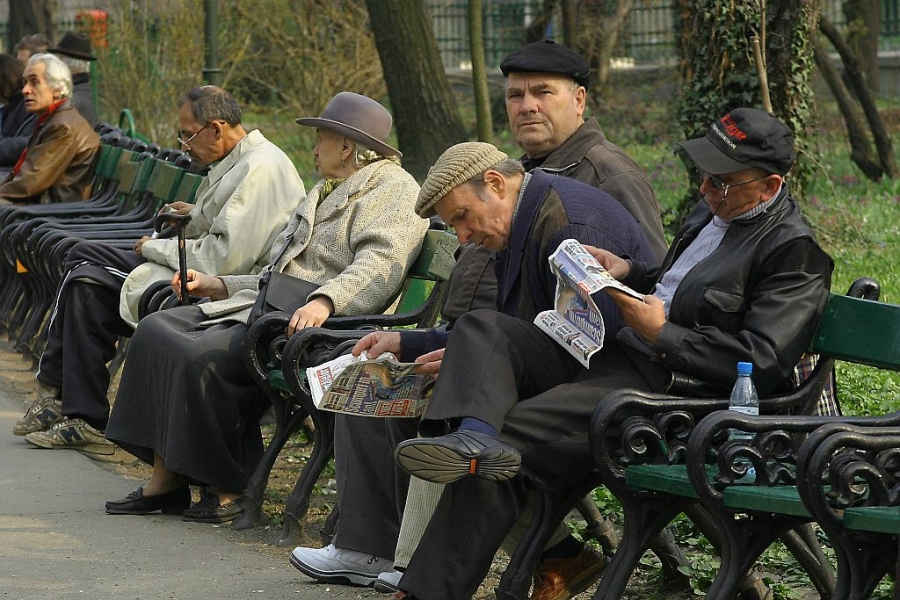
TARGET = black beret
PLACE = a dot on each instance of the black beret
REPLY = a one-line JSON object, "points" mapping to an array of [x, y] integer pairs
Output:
{"points": [[548, 57]]}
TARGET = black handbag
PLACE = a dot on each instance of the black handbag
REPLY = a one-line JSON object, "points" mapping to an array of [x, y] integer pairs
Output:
{"points": [[280, 292]]}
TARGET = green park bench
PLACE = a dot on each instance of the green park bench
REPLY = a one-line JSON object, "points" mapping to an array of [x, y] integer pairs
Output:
{"points": [[279, 366], [663, 455]]}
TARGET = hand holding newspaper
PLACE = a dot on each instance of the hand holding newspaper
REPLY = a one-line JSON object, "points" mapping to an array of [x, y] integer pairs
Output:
{"points": [[379, 387], [576, 323]]}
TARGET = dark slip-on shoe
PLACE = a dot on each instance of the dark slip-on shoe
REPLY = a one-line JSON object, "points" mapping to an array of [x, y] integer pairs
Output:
{"points": [[210, 510], [136, 503], [463, 453]]}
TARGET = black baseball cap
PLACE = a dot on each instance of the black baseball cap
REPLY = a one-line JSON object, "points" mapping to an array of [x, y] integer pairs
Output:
{"points": [[547, 56], [743, 139]]}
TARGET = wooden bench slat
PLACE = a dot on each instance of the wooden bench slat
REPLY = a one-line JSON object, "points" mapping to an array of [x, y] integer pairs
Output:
{"points": [[780, 499], [879, 519], [672, 479], [848, 320]]}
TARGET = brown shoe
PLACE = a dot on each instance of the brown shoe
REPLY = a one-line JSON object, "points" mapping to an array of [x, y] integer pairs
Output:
{"points": [[563, 578]]}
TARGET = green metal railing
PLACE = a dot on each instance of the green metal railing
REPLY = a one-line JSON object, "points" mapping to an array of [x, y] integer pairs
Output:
{"points": [[649, 35]]}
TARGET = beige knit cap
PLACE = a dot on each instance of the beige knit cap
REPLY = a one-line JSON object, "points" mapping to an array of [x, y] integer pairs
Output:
{"points": [[457, 165]]}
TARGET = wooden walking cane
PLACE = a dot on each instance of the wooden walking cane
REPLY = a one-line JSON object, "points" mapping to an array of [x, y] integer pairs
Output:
{"points": [[180, 222]]}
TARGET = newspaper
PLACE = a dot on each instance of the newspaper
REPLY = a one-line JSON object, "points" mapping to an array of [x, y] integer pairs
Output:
{"points": [[576, 322], [380, 387]]}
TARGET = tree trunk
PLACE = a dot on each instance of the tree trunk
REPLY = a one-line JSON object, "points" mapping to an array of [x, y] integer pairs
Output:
{"points": [[863, 19], [853, 71], [27, 17], [860, 148], [569, 22], [424, 110], [479, 73], [537, 29]]}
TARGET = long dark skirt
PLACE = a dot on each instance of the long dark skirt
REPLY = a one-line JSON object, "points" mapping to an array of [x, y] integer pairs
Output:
{"points": [[186, 394]]}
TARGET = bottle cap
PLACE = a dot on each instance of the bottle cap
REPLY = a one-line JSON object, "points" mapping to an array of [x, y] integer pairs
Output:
{"points": [[745, 368]]}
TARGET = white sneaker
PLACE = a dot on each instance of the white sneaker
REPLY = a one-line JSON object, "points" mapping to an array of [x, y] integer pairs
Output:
{"points": [[339, 565], [388, 581]]}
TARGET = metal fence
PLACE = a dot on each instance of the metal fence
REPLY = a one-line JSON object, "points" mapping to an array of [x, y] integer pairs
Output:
{"points": [[648, 37]]}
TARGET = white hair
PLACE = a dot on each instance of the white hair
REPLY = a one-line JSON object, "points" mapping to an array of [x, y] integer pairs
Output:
{"points": [[58, 75]]}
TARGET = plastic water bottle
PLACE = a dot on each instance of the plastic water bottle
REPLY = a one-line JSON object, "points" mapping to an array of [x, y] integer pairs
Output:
{"points": [[745, 400]]}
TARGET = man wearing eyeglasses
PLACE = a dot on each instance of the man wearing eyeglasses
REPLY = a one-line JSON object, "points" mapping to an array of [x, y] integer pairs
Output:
{"points": [[246, 198], [744, 280]]}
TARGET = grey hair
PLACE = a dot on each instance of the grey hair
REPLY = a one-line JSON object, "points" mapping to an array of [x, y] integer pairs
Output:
{"points": [[76, 65], [58, 75], [508, 168], [363, 156], [210, 103]]}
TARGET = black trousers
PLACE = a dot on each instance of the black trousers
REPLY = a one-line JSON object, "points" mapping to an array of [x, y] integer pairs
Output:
{"points": [[84, 327], [371, 487], [499, 367]]}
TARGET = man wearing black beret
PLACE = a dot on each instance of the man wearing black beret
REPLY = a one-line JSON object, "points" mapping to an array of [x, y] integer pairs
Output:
{"points": [[546, 92]]}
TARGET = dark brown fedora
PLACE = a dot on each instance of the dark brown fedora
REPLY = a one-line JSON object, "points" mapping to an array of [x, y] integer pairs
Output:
{"points": [[75, 45], [359, 118]]}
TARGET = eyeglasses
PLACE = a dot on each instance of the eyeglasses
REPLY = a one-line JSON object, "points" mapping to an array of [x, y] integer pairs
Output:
{"points": [[721, 185], [187, 142]]}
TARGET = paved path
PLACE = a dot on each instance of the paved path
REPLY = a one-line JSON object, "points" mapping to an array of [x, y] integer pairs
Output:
{"points": [[57, 542]]}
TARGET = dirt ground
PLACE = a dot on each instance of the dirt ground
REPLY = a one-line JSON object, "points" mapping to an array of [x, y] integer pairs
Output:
{"points": [[17, 380]]}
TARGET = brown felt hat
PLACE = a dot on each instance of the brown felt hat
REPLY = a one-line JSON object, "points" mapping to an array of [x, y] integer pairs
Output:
{"points": [[359, 118], [457, 165], [75, 45]]}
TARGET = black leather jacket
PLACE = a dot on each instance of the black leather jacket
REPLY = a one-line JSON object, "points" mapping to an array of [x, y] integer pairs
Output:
{"points": [[758, 297]]}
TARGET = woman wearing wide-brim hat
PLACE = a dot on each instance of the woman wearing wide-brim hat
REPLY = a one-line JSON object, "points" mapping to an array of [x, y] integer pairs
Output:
{"points": [[186, 403]]}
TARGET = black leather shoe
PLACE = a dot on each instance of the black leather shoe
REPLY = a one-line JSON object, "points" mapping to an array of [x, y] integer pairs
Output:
{"points": [[463, 453], [136, 503], [209, 510]]}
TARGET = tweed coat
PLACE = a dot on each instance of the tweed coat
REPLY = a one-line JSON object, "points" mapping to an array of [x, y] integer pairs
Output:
{"points": [[366, 237]]}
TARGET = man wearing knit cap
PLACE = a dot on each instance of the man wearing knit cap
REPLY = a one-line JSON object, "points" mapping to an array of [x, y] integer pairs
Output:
{"points": [[492, 202], [546, 92], [744, 280]]}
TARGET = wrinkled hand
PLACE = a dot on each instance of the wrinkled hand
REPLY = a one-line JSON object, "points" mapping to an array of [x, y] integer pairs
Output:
{"points": [[617, 267], [646, 318], [311, 314], [178, 208], [140, 242], [200, 284], [430, 363], [377, 343]]}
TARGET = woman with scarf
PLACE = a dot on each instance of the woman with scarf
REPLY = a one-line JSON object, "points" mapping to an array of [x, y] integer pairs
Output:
{"points": [[186, 403]]}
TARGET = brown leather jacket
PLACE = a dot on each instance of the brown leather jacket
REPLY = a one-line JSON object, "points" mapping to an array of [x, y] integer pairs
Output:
{"points": [[59, 162]]}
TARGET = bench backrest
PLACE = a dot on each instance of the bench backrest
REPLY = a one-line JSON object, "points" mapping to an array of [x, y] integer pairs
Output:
{"points": [[859, 331], [163, 183], [434, 264]]}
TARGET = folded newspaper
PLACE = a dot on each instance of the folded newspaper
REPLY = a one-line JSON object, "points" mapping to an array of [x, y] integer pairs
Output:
{"points": [[576, 323], [379, 387]]}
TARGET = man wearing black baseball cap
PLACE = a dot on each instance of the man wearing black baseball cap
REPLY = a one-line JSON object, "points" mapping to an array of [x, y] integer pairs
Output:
{"points": [[546, 94], [746, 146]]}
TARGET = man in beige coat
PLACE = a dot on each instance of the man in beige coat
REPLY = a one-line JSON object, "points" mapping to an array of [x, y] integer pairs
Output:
{"points": [[244, 202]]}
